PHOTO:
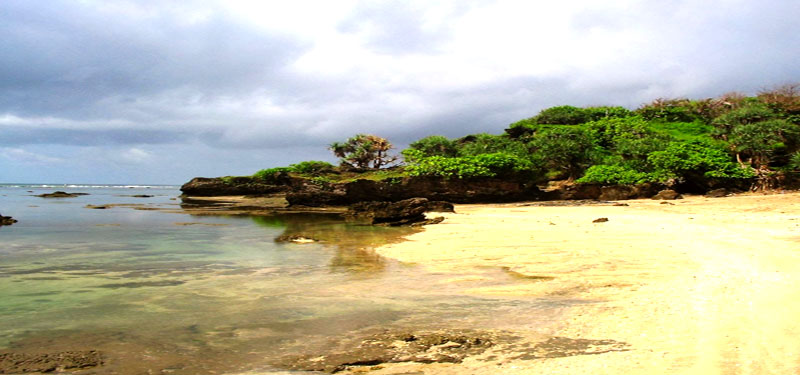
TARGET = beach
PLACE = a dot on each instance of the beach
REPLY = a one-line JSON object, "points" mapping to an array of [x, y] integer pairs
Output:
{"points": [[691, 286]]}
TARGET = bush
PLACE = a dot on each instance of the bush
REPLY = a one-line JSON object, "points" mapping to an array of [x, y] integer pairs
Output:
{"points": [[478, 144], [685, 159], [566, 148], [434, 145], [671, 110], [272, 175], [484, 165], [312, 167], [562, 115], [613, 175]]}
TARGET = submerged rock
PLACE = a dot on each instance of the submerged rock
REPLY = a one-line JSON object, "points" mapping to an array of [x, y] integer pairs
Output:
{"points": [[395, 347], [7, 220], [26, 363], [60, 194]]}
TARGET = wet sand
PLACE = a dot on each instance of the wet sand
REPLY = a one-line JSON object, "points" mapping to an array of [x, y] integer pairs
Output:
{"points": [[698, 286]]}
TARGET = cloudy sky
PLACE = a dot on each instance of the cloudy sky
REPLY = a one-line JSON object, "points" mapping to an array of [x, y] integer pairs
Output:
{"points": [[114, 91]]}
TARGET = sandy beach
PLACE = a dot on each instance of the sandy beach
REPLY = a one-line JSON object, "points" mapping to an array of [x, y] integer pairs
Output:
{"points": [[693, 286]]}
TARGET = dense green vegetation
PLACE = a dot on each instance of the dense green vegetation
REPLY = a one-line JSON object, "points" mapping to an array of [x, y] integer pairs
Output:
{"points": [[733, 138]]}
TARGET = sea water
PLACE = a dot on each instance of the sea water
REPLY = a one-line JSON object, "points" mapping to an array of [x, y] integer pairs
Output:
{"points": [[157, 289]]}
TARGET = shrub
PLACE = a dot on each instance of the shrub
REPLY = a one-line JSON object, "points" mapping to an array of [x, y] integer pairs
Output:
{"points": [[272, 175], [674, 110], [614, 174], [484, 165], [312, 167], [434, 145], [478, 144], [684, 159], [562, 115], [761, 140], [565, 148]]}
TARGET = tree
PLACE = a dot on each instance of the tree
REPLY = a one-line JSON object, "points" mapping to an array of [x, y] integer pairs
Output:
{"points": [[364, 151], [566, 148]]}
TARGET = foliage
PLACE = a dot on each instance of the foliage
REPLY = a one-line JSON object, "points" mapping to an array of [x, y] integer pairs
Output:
{"points": [[364, 151], [434, 145], [562, 115], [747, 114], [682, 159], [569, 149], [478, 144], [672, 110], [783, 99], [272, 174], [794, 161], [761, 140], [483, 165], [312, 167], [614, 174]]}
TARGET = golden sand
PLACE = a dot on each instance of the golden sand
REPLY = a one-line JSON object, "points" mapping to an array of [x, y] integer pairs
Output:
{"points": [[699, 286]]}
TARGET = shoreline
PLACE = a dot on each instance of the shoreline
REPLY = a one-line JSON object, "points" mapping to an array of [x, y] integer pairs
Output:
{"points": [[702, 285]]}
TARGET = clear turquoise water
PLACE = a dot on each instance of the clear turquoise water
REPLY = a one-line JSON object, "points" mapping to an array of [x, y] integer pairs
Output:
{"points": [[215, 296]]}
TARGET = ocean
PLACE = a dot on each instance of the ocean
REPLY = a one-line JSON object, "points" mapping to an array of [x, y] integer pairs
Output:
{"points": [[156, 289]]}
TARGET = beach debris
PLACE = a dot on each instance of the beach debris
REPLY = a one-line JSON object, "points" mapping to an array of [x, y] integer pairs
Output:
{"points": [[600, 220], [668, 194], [617, 204], [24, 363], [60, 194], [668, 203], [7, 220], [445, 346]]}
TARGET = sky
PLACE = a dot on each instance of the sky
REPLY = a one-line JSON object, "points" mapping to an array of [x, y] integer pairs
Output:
{"points": [[158, 92]]}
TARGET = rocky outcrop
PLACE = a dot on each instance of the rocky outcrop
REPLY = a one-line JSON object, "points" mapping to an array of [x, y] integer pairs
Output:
{"points": [[567, 190], [313, 193], [6, 220], [405, 212], [668, 194], [61, 194], [209, 187]]}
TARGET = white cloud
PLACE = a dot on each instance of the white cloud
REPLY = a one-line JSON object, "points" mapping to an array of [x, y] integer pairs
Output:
{"points": [[22, 156]]}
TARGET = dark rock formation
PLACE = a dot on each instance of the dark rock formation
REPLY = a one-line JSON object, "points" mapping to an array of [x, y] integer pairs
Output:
{"points": [[566, 190], [25, 363], [405, 212], [668, 195], [600, 220], [61, 194], [439, 206], [6, 220], [717, 193], [209, 187], [420, 347]]}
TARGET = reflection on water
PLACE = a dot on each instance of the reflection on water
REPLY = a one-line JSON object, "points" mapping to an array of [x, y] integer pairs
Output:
{"points": [[153, 295]]}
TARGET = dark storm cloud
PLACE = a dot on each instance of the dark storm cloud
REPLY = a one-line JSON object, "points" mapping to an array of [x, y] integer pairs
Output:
{"points": [[141, 78], [66, 58]]}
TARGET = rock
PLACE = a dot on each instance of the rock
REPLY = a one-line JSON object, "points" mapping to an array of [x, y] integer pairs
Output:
{"points": [[61, 194], [600, 220], [21, 363], [439, 206], [404, 212], [141, 196], [717, 193], [668, 194], [394, 347], [296, 238], [6, 220], [209, 187], [668, 203], [435, 220], [620, 204], [97, 206]]}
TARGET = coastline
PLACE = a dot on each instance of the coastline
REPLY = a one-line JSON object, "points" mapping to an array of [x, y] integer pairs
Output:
{"points": [[701, 285]]}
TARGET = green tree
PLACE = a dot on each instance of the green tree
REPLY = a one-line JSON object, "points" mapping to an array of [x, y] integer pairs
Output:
{"points": [[364, 151], [434, 145], [565, 148], [759, 141]]}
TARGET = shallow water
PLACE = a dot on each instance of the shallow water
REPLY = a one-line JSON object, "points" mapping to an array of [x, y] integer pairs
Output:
{"points": [[167, 292]]}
